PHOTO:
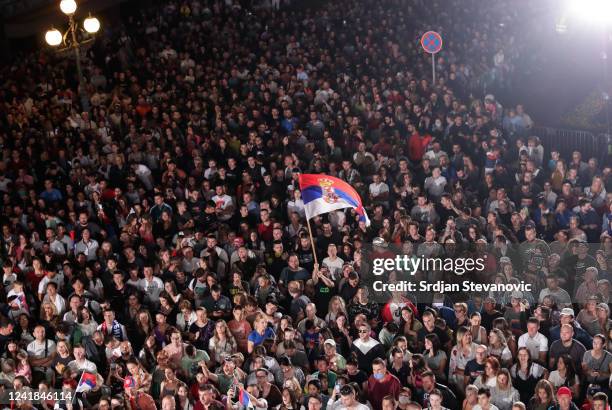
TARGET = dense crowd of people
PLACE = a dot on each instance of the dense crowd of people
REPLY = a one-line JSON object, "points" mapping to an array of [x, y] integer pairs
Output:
{"points": [[154, 235]]}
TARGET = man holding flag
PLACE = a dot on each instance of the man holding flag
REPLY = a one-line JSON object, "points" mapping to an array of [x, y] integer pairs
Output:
{"points": [[87, 382], [245, 398], [324, 193]]}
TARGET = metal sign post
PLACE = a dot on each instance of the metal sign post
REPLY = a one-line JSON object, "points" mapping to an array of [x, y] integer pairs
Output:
{"points": [[433, 69], [431, 42]]}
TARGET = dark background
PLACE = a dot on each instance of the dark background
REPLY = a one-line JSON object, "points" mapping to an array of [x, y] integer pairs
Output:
{"points": [[560, 74]]}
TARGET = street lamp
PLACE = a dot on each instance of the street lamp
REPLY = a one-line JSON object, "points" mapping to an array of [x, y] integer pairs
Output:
{"points": [[68, 7], [53, 37], [91, 24], [69, 39]]}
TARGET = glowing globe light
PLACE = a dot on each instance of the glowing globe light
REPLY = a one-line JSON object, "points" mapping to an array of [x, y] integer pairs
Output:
{"points": [[68, 6], [53, 37], [91, 24]]}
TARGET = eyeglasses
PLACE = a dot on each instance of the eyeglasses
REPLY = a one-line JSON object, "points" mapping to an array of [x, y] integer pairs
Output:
{"points": [[363, 331]]}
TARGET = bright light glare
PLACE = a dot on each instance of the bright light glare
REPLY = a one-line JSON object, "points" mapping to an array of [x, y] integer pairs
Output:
{"points": [[68, 6], [91, 24], [599, 11], [53, 37], [561, 28]]}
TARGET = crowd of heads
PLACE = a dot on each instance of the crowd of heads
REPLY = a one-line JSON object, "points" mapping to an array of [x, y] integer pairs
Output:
{"points": [[154, 243]]}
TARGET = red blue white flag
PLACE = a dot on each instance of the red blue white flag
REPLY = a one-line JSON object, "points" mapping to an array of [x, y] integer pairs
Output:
{"points": [[323, 193], [88, 382]]}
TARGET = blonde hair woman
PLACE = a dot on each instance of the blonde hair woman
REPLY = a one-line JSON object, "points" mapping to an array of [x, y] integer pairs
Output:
{"points": [[504, 394], [498, 347], [336, 305], [471, 397], [60, 361], [260, 333], [462, 352], [558, 175], [222, 343], [48, 313], [596, 193]]}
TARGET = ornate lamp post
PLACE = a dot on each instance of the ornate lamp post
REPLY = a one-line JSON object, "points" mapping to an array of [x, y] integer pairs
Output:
{"points": [[69, 39]]}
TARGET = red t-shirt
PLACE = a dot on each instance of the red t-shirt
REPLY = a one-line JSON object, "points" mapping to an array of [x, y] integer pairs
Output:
{"points": [[390, 385], [417, 146], [34, 280], [265, 232]]}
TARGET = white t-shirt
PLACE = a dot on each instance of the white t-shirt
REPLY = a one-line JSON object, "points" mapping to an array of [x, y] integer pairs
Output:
{"points": [[58, 279], [151, 289], [222, 202], [85, 366], [535, 345], [555, 378], [335, 266], [491, 407], [377, 189], [37, 350], [337, 405]]}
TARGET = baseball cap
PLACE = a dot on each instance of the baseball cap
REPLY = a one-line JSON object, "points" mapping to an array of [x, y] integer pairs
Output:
{"points": [[564, 391], [604, 306], [330, 342], [567, 312]]}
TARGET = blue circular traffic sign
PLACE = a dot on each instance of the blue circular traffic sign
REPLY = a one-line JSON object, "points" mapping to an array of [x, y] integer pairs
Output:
{"points": [[431, 42]]}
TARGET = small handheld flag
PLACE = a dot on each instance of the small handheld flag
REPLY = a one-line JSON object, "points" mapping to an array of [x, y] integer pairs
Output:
{"points": [[243, 398], [129, 382], [87, 382]]}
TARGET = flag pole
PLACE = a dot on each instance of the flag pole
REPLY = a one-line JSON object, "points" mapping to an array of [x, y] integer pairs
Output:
{"points": [[77, 388], [314, 249], [79, 382]]}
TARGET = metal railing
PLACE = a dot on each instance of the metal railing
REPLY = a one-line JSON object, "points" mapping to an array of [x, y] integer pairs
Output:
{"points": [[566, 141]]}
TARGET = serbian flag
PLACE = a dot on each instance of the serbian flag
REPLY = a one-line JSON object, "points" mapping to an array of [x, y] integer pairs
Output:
{"points": [[87, 382], [322, 194], [129, 382], [243, 398]]}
